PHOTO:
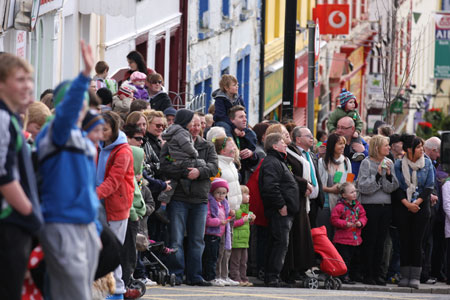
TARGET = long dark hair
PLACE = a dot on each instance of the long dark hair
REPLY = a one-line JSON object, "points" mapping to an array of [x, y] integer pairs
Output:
{"points": [[410, 141], [139, 60], [333, 139]]}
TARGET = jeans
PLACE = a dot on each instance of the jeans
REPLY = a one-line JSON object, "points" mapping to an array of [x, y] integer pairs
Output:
{"points": [[189, 218], [210, 256], [279, 228]]}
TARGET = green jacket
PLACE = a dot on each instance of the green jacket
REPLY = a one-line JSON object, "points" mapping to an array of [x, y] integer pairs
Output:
{"points": [[138, 208], [339, 113], [241, 234]]}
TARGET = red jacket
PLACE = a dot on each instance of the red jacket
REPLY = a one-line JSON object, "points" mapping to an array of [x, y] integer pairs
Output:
{"points": [[343, 213], [118, 186], [256, 204]]}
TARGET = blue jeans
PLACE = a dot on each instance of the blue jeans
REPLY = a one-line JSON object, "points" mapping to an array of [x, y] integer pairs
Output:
{"points": [[189, 218]]}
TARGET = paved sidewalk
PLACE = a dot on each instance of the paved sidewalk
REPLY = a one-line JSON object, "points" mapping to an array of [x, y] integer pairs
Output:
{"points": [[437, 288]]}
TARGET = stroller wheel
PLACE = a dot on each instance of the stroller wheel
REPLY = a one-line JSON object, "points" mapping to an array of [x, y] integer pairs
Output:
{"points": [[311, 283], [173, 279], [338, 283], [330, 284], [162, 278], [138, 285]]}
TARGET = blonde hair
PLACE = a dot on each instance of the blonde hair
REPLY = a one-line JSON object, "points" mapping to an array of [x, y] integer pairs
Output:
{"points": [[9, 63], [134, 117], [37, 113], [245, 189], [226, 81], [375, 143], [275, 128], [150, 114]]}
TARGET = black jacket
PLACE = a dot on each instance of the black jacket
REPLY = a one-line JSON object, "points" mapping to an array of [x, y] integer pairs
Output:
{"points": [[160, 102], [277, 185], [200, 187], [249, 164]]}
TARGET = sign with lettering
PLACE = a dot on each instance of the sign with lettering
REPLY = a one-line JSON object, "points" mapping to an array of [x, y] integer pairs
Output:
{"points": [[442, 46]]}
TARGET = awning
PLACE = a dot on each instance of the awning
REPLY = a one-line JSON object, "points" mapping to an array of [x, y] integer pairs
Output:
{"points": [[126, 8]]}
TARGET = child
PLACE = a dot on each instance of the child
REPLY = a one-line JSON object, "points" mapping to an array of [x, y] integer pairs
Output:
{"points": [[36, 117], [347, 107], [183, 154], [138, 81], [225, 98], [241, 236], [100, 78], [123, 99], [348, 217], [217, 227]]}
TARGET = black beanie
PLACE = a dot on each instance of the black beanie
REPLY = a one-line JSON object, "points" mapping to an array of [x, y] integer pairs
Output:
{"points": [[183, 117]]}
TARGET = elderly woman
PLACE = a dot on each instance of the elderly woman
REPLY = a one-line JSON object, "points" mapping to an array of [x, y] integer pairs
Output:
{"points": [[187, 211], [376, 182], [333, 170], [412, 211]]}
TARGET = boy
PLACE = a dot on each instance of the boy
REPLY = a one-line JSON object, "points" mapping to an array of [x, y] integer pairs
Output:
{"points": [[101, 80], [225, 98], [70, 238], [20, 214], [36, 117], [122, 101]]}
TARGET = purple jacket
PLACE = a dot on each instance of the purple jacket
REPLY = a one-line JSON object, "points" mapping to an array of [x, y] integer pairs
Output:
{"points": [[213, 222], [343, 213], [141, 93]]}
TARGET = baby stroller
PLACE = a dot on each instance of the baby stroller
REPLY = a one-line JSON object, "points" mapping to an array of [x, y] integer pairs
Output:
{"points": [[331, 264], [157, 269]]}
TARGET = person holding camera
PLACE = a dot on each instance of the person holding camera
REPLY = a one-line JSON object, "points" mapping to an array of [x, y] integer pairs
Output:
{"points": [[376, 182]]}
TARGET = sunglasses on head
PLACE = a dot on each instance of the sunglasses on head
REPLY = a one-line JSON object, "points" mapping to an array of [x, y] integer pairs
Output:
{"points": [[138, 138], [155, 82]]}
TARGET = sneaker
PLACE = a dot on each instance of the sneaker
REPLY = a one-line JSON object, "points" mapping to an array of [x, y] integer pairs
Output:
{"points": [[242, 283], [248, 283], [224, 282], [217, 282], [132, 294], [358, 156], [231, 282], [148, 282], [114, 297]]}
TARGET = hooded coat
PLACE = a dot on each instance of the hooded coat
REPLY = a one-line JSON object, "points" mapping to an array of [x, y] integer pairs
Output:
{"points": [[138, 208]]}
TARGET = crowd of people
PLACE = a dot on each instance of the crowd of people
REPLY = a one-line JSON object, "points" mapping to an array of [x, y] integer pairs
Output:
{"points": [[99, 164]]}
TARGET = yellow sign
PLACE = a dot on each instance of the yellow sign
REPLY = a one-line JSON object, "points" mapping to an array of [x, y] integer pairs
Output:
{"points": [[273, 90], [357, 58]]}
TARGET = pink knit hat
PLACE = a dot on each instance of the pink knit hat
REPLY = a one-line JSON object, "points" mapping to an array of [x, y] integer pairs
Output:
{"points": [[138, 76], [217, 183]]}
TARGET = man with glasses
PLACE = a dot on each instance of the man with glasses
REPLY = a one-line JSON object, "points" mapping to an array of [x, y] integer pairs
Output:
{"points": [[159, 100], [355, 151]]}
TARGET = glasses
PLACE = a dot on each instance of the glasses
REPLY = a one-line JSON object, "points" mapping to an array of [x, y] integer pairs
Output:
{"points": [[343, 128], [159, 126], [308, 136], [138, 138], [155, 82]]}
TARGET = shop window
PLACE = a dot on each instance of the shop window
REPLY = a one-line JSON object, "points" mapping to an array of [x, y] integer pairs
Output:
{"points": [[226, 8]]}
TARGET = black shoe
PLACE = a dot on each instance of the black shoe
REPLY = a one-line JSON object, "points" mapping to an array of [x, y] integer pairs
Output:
{"points": [[380, 281], [277, 284], [369, 281], [178, 281], [357, 278], [347, 280], [201, 283], [161, 215]]}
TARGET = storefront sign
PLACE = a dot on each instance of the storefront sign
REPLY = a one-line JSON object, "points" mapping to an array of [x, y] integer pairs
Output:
{"points": [[49, 5], [374, 84], [21, 43], [442, 46], [273, 90], [334, 18]]}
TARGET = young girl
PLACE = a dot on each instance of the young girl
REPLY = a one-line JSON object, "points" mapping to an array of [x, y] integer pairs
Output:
{"points": [[348, 217], [217, 227], [241, 236]]}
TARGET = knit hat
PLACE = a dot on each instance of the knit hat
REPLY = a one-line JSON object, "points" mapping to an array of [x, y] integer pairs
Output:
{"points": [[91, 120], [138, 76], [346, 96], [126, 90], [217, 183], [183, 117], [395, 138], [170, 111]]}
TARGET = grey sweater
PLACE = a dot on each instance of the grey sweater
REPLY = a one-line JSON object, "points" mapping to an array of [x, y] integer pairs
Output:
{"points": [[375, 188]]}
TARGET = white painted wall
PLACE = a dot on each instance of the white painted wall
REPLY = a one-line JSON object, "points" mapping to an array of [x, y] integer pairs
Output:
{"points": [[205, 56]]}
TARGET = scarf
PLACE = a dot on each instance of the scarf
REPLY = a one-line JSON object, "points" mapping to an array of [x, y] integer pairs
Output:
{"points": [[306, 172], [411, 179]]}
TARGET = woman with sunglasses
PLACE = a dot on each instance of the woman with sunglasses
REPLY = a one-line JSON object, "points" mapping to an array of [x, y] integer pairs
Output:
{"points": [[159, 100]]}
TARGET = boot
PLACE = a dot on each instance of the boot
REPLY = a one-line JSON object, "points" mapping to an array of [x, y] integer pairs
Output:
{"points": [[414, 280], [406, 272]]}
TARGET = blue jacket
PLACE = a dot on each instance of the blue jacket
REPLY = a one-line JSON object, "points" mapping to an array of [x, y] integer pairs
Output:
{"points": [[104, 154], [222, 106], [66, 163]]}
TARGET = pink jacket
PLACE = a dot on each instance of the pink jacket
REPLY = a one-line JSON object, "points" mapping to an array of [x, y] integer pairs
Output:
{"points": [[343, 213]]}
